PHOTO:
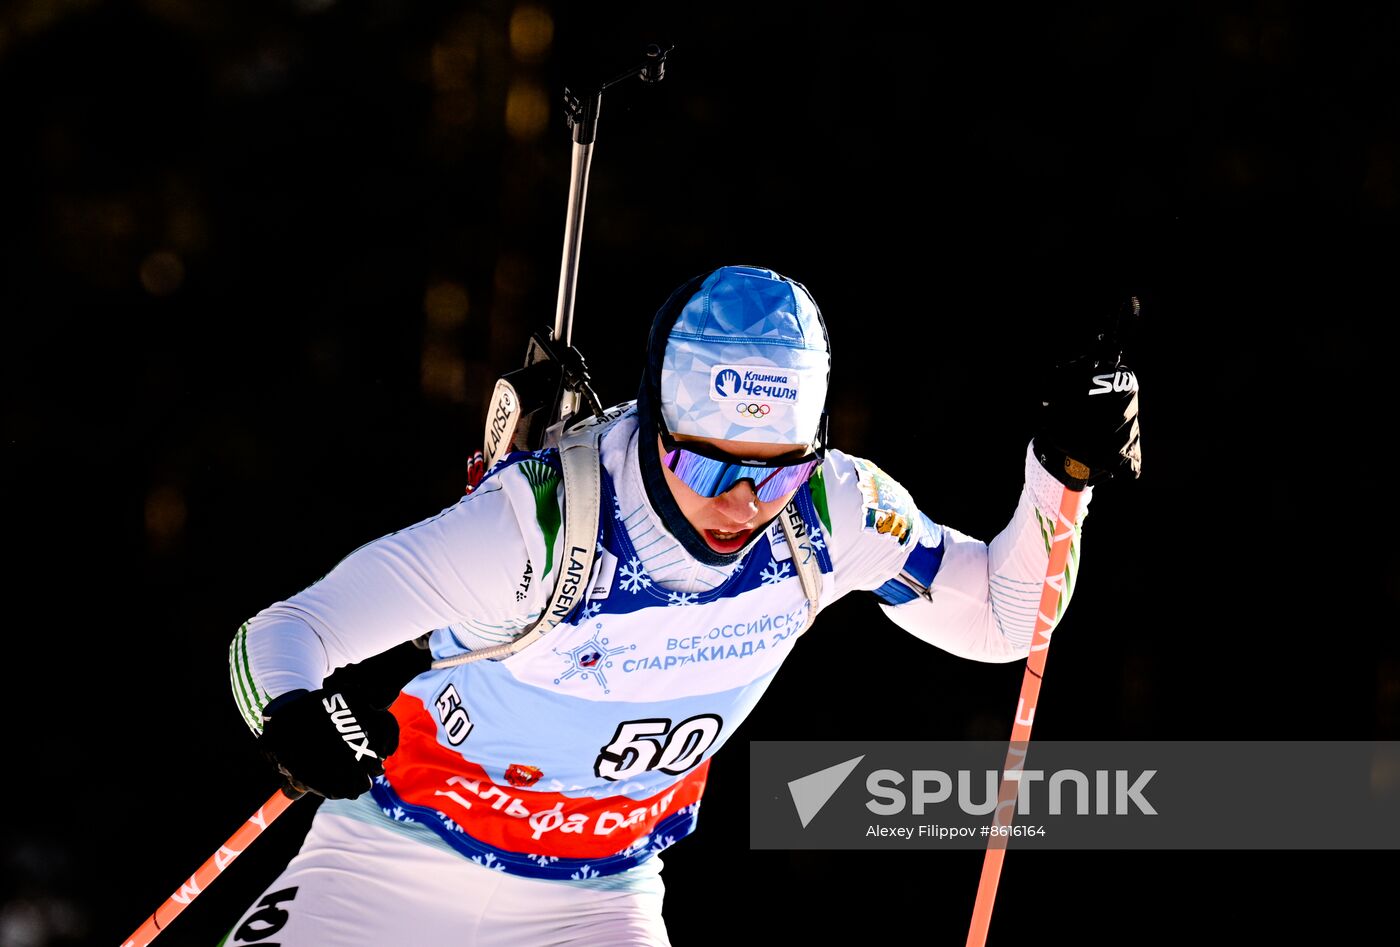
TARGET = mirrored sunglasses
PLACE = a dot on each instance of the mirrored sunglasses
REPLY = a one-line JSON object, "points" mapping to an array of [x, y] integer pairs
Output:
{"points": [[709, 472]]}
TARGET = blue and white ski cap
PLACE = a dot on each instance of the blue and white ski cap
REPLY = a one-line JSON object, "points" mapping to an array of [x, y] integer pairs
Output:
{"points": [[747, 359]]}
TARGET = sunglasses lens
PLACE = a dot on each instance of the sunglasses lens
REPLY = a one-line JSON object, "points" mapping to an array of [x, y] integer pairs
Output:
{"points": [[784, 480], [710, 477], [704, 475]]}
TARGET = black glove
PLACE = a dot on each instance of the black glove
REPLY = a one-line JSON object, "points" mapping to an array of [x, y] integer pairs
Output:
{"points": [[329, 741], [1089, 418]]}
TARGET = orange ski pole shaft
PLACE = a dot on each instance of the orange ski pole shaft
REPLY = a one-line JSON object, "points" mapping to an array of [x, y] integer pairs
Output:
{"points": [[1025, 714], [212, 868]]}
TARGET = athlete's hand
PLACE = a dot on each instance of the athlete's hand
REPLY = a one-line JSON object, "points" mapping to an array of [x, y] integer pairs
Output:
{"points": [[1089, 417], [329, 741]]}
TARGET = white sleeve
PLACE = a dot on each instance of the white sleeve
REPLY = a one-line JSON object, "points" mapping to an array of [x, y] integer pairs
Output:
{"points": [[471, 562], [983, 600]]}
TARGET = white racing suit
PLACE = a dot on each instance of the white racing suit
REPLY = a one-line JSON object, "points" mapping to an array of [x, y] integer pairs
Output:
{"points": [[529, 797]]}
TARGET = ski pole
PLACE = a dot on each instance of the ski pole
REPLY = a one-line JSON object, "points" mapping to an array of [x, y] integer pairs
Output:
{"points": [[1025, 715], [212, 867]]}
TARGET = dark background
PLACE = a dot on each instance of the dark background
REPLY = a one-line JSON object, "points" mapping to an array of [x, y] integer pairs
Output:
{"points": [[262, 264]]}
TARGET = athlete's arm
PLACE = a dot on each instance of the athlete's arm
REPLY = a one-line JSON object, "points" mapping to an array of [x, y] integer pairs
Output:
{"points": [[467, 562], [983, 601], [974, 599]]}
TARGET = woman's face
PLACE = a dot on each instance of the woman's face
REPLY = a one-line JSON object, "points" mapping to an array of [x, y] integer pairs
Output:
{"points": [[727, 521]]}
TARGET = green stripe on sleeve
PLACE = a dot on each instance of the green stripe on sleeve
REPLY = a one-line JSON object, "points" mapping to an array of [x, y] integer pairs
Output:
{"points": [[250, 702]]}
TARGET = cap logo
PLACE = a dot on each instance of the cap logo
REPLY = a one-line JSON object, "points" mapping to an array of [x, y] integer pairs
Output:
{"points": [[727, 383], [749, 383]]}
